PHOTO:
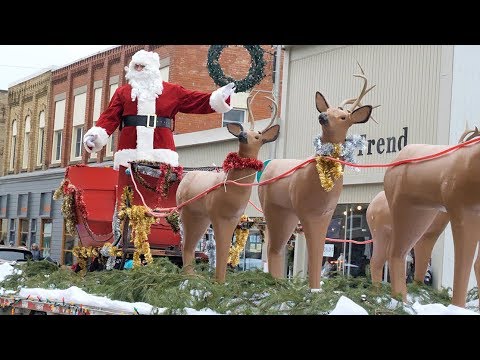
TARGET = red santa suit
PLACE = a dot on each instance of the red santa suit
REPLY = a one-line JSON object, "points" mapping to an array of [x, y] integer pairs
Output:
{"points": [[151, 97]]}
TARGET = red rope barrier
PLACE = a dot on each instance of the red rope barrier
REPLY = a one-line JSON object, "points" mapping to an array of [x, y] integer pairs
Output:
{"points": [[306, 162]]}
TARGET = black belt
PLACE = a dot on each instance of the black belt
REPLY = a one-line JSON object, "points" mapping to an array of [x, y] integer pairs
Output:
{"points": [[150, 121]]}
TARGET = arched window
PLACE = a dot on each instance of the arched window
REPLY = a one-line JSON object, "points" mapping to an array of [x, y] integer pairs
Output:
{"points": [[26, 143], [13, 145], [41, 138]]}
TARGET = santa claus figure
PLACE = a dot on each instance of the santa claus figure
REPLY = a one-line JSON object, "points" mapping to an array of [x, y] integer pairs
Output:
{"points": [[145, 110]]}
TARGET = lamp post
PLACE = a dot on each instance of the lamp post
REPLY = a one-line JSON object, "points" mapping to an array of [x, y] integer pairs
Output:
{"points": [[276, 91], [350, 243]]}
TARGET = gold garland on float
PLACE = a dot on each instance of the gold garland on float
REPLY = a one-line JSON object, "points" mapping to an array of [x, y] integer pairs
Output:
{"points": [[328, 170], [113, 250], [72, 199], [241, 237], [140, 222], [82, 254]]}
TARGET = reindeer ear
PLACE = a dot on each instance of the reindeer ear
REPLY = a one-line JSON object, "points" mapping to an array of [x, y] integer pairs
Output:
{"points": [[322, 104], [271, 134], [362, 114], [235, 129]]}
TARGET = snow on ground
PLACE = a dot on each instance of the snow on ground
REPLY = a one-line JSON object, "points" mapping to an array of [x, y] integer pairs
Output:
{"points": [[7, 269], [75, 295]]}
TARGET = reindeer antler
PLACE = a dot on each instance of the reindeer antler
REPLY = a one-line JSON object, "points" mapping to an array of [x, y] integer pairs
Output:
{"points": [[356, 101], [251, 119], [474, 133]]}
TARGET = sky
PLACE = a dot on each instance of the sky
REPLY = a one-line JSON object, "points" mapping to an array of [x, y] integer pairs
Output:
{"points": [[20, 61], [77, 296]]}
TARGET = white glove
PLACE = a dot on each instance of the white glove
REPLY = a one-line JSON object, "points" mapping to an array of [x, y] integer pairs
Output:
{"points": [[228, 90], [88, 141]]}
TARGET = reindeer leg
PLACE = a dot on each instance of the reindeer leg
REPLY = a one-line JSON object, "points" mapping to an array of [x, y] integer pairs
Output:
{"points": [[315, 228], [223, 229], [381, 240], [423, 248], [194, 227], [281, 224], [477, 272], [465, 228], [409, 223]]}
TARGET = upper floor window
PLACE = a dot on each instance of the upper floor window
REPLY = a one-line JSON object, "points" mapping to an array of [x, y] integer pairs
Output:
{"points": [[59, 119], [26, 143], [233, 116], [79, 107], [13, 145], [239, 113], [57, 146], [165, 72], [41, 138]]}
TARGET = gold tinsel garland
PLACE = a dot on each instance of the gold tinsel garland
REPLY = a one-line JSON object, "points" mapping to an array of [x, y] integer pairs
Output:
{"points": [[68, 207], [328, 170], [140, 222], [113, 250], [82, 254], [241, 237]]}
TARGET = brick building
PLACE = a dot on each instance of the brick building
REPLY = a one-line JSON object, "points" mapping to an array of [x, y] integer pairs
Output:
{"points": [[3, 119], [68, 104]]}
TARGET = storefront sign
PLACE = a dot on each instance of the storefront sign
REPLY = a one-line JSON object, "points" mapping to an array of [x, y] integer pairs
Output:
{"points": [[386, 145]]}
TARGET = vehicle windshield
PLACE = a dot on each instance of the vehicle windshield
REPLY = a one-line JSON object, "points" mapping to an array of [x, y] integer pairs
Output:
{"points": [[10, 255]]}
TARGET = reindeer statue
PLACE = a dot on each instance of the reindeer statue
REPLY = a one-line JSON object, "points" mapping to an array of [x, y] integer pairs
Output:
{"points": [[380, 224], [417, 191], [301, 196], [224, 206]]}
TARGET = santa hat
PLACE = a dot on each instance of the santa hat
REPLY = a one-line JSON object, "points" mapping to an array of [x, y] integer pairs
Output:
{"points": [[146, 58]]}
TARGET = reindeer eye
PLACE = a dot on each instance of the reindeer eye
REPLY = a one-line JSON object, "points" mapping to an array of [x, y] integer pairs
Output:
{"points": [[343, 117], [257, 137]]}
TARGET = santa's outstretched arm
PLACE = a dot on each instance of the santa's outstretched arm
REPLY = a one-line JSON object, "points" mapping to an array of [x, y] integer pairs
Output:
{"points": [[196, 102], [97, 136]]}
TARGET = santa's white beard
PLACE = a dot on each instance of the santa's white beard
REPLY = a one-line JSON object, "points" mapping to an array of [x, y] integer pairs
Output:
{"points": [[146, 84]]}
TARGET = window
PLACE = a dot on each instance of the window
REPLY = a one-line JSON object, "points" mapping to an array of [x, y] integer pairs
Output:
{"points": [[33, 231], [23, 232], [13, 147], [46, 237], [26, 143], [41, 138], [251, 256], [77, 142], [3, 232], [79, 108], [233, 116], [45, 204], [57, 146], [69, 242], [12, 232], [58, 129], [111, 141], [165, 73]]}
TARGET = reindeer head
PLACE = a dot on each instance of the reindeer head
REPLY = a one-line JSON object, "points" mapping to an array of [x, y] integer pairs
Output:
{"points": [[336, 121], [251, 140]]}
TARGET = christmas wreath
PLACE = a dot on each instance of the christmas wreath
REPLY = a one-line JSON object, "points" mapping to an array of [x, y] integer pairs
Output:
{"points": [[255, 73]]}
